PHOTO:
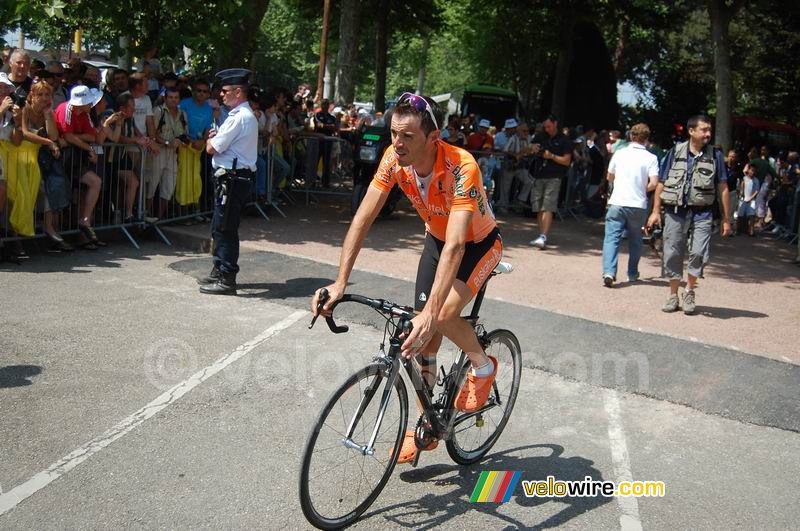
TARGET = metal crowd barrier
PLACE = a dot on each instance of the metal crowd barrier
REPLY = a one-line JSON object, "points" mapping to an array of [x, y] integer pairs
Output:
{"points": [[307, 150], [107, 190]]}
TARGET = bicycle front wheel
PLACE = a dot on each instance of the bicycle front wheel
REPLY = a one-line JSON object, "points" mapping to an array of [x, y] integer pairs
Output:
{"points": [[340, 477], [474, 434]]}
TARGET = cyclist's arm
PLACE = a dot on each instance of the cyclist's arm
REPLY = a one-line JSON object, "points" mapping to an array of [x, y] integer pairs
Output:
{"points": [[449, 260], [370, 207]]}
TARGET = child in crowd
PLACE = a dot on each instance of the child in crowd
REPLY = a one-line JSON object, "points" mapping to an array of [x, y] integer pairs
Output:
{"points": [[748, 190]]}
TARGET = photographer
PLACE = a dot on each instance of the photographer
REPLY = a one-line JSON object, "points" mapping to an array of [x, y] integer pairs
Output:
{"points": [[19, 75], [10, 134], [553, 156]]}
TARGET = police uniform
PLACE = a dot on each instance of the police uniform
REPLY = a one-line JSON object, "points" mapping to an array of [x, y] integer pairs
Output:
{"points": [[236, 146]]}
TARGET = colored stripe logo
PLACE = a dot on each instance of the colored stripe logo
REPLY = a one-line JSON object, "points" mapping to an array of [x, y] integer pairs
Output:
{"points": [[495, 486]]}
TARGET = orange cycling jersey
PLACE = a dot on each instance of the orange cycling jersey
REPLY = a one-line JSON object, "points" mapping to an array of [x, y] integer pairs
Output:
{"points": [[456, 185]]}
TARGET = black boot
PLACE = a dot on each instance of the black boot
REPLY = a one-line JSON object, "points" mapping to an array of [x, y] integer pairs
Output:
{"points": [[226, 285], [211, 278]]}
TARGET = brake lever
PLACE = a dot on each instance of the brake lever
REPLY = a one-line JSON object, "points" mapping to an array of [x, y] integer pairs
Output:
{"points": [[336, 329], [323, 298]]}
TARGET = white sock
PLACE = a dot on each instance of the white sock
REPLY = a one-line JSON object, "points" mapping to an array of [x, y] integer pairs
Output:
{"points": [[484, 370]]}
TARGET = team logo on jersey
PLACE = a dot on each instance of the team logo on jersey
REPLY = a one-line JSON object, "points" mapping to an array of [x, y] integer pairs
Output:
{"points": [[423, 297], [473, 193]]}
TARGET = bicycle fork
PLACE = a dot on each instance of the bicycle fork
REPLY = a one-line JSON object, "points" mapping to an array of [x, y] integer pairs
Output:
{"points": [[369, 394]]}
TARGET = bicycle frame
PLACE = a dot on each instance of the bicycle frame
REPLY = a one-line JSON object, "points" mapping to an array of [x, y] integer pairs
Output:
{"points": [[443, 419]]}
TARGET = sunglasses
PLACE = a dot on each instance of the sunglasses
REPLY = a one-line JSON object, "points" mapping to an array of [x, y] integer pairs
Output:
{"points": [[420, 104]]}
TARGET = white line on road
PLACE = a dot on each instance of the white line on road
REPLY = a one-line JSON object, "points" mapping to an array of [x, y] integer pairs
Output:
{"points": [[15, 496], [630, 520]]}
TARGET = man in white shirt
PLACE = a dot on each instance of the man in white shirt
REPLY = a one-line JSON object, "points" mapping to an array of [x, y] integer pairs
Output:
{"points": [[634, 172]]}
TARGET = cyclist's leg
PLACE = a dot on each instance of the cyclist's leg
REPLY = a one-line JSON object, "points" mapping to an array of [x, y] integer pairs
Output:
{"points": [[479, 261], [457, 329]]}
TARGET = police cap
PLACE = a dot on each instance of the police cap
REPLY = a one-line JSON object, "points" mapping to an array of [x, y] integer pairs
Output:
{"points": [[234, 76]]}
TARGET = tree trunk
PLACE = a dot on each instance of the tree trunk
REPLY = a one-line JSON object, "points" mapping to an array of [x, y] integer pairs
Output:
{"points": [[381, 55], [244, 31], [561, 78], [721, 15], [423, 60], [348, 52], [622, 44]]}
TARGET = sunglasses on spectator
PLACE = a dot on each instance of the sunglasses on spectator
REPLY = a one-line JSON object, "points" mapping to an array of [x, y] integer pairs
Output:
{"points": [[420, 104], [202, 91]]}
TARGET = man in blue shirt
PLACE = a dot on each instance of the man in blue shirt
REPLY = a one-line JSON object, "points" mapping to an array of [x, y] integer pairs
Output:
{"points": [[234, 148], [692, 174]]}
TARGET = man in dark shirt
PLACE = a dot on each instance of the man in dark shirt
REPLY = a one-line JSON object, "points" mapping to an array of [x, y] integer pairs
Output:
{"points": [[325, 123], [553, 153], [734, 167], [20, 63]]}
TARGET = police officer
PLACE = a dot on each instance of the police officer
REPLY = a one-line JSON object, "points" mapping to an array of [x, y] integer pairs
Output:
{"points": [[234, 150]]}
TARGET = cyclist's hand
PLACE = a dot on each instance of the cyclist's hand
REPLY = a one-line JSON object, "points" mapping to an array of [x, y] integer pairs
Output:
{"points": [[335, 292], [424, 327]]}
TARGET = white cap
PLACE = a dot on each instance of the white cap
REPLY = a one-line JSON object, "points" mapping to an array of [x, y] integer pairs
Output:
{"points": [[510, 123], [485, 123]]}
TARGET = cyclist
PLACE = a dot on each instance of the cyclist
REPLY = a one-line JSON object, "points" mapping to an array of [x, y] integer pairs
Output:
{"points": [[462, 245]]}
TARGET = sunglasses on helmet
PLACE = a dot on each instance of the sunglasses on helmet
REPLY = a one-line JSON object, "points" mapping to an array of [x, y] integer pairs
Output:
{"points": [[420, 104]]}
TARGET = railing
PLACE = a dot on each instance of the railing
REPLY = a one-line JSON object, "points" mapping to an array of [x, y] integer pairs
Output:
{"points": [[43, 194], [308, 150]]}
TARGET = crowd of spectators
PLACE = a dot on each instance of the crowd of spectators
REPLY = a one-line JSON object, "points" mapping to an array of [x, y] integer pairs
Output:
{"points": [[766, 202], [78, 146], [55, 117]]}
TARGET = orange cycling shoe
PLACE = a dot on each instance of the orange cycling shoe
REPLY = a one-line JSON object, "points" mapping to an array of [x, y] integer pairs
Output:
{"points": [[475, 392], [409, 449]]}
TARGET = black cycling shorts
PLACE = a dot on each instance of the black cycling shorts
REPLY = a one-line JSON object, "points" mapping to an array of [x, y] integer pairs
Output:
{"points": [[480, 259]]}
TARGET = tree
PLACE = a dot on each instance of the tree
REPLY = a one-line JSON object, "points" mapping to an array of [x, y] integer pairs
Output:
{"points": [[721, 12], [348, 51]]}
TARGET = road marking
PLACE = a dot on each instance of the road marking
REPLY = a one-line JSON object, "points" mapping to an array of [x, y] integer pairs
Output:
{"points": [[15, 496], [630, 520]]}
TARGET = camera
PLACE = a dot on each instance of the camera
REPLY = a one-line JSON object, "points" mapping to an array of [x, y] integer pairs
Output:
{"points": [[19, 97]]}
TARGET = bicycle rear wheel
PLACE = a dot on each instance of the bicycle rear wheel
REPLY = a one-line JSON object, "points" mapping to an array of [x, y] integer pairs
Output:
{"points": [[474, 434], [338, 482]]}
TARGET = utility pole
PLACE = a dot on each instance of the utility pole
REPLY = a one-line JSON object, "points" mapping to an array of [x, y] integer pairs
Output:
{"points": [[323, 49]]}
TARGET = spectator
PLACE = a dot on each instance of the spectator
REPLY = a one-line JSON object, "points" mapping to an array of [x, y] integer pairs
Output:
{"points": [[57, 82], [183, 87], [119, 85], [748, 190], [515, 169], [502, 138], [78, 134], [692, 174], [39, 128], [480, 140], [634, 173], [549, 169], [199, 112], [126, 163], [172, 132], [19, 72], [765, 173], [10, 131], [597, 167], [92, 77], [734, 169], [280, 168], [325, 123], [143, 120]]}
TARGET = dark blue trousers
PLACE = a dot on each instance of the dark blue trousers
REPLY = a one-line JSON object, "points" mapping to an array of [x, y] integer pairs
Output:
{"points": [[225, 230]]}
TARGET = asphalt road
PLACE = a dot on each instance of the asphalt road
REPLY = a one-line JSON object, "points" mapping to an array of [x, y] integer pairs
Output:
{"points": [[89, 439]]}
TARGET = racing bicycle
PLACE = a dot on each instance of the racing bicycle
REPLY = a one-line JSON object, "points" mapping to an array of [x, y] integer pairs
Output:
{"points": [[355, 443]]}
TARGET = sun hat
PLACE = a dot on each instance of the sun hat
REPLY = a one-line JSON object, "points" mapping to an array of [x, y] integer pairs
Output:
{"points": [[485, 123], [81, 95], [510, 123]]}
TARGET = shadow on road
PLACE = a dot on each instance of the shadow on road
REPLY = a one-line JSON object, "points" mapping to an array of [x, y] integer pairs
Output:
{"points": [[431, 510], [18, 375]]}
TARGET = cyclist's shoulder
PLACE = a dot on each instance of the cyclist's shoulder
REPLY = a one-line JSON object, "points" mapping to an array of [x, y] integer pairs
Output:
{"points": [[455, 161]]}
